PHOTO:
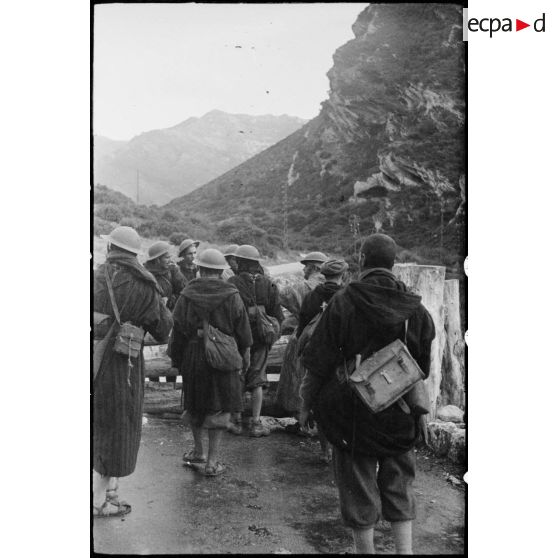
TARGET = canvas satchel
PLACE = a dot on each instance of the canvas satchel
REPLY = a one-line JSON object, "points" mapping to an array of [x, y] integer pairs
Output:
{"points": [[221, 350], [129, 338], [267, 327], [387, 375]]}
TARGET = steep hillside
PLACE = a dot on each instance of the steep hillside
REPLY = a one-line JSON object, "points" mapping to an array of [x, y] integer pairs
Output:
{"points": [[176, 160], [386, 152]]}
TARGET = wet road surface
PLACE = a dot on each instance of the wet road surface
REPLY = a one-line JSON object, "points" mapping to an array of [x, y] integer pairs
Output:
{"points": [[275, 497]]}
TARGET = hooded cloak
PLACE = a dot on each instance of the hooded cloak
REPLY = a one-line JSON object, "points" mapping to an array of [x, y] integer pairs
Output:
{"points": [[207, 391]]}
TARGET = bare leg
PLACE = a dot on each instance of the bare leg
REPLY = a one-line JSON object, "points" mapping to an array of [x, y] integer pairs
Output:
{"points": [[403, 535], [100, 485], [112, 489], [364, 541], [197, 432], [257, 400], [215, 437]]}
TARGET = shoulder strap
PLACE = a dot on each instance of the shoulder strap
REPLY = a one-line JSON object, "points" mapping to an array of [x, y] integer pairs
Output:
{"points": [[253, 290], [113, 298], [406, 328], [358, 357]]}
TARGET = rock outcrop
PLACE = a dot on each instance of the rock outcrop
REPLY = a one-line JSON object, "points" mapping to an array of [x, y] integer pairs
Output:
{"points": [[447, 439], [450, 413], [386, 150]]}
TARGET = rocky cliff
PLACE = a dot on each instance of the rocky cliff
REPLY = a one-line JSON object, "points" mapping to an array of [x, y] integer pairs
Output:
{"points": [[386, 152], [176, 160]]}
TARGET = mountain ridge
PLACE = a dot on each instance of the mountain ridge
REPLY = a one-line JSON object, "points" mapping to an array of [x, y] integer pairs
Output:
{"points": [[174, 160], [385, 154]]}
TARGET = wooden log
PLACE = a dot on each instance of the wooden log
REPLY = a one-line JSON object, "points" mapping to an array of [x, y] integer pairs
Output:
{"points": [[157, 362], [453, 363], [275, 358], [428, 282]]}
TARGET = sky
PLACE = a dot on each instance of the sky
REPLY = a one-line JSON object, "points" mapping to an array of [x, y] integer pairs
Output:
{"points": [[157, 65]]}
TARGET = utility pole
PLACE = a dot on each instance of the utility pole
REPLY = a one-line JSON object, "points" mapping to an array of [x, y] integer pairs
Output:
{"points": [[286, 215], [137, 187]]}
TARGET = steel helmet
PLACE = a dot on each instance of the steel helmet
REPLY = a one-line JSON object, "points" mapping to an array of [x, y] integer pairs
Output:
{"points": [[230, 250], [124, 237], [248, 252], [212, 259], [314, 257], [158, 249], [185, 244]]}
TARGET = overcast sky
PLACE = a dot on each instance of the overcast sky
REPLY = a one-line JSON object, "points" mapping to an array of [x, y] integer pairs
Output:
{"points": [[157, 65]]}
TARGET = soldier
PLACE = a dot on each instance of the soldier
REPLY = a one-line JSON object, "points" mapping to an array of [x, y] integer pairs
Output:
{"points": [[122, 287], [186, 254], [168, 276], [367, 315], [210, 395], [313, 304], [255, 289], [292, 371], [291, 297], [229, 254], [333, 270]]}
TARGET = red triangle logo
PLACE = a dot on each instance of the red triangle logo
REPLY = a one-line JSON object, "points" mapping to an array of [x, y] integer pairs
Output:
{"points": [[519, 25]]}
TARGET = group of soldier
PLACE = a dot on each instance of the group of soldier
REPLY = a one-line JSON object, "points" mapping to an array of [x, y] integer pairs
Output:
{"points": [[177, 303]]}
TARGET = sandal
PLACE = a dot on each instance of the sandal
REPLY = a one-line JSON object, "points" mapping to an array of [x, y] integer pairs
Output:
{"points": [[190, 457], [217, 469], [118, 509], [112, 495]]}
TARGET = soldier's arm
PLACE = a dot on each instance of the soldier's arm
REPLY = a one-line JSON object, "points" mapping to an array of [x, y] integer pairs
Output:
{"points": [[274, 306], [178, 338], [178, 280], [158, 320], [242, 330]]}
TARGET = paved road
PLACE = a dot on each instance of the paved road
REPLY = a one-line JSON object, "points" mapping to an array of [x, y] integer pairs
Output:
{"points": [[274, 497]]}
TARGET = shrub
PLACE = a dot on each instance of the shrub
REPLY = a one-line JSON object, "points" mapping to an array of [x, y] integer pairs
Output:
{"points": [[177, 237], [100, 226], [109, 212], [130, 222], [148, 229], [163, 228], [169, 215]]}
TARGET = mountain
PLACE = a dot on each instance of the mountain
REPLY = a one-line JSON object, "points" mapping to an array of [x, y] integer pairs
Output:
{"points": [[176, 160], [105, 147], [385, 153]]}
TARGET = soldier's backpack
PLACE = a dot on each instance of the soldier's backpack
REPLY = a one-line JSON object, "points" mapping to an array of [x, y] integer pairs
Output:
{"points": [[221, 350], [267, 327], [371, 407], [129, 337]]}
